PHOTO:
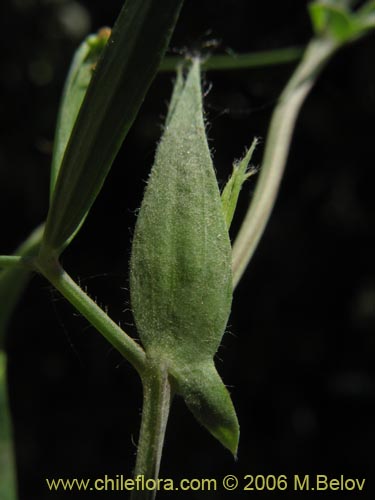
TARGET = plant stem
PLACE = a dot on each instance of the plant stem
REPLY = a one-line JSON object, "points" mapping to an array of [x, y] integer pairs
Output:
{"points": [[278, 143], [8, 489], [14, 261], [60, 279], [13, 280], [156, 405], [239, 61]]}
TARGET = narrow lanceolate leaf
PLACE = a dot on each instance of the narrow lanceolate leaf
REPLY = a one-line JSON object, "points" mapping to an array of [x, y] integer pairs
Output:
{"points": [[118, 86], [77, 82], [180, 271], [241, 172]]}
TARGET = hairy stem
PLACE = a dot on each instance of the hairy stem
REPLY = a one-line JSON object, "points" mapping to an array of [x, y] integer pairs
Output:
{"points": [[60, 279], [156, 405], [278, 143]]}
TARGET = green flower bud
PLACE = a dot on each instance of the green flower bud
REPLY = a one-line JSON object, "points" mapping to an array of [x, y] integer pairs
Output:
{"points": [[180, 270]]}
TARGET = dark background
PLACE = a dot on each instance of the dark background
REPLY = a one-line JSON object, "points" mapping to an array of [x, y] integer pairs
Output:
{"points": [[299, 353]]}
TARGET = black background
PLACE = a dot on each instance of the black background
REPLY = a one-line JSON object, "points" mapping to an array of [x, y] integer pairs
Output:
{"points": [[299, 353]]}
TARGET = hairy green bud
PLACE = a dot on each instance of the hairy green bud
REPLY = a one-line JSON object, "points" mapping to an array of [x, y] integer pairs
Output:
{"points": [[180, 270]]}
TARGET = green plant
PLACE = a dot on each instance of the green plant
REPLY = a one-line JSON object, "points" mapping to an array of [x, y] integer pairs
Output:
{"points": [[84, 151]]}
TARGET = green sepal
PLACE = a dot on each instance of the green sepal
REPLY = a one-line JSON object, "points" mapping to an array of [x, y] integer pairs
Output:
{"points": [[176, 94], [241, 172], [180, 269], [209, 401]]}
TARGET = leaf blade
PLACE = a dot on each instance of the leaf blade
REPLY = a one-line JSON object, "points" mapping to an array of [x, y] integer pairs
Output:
{"points": [[75, 88], [127, 66]]}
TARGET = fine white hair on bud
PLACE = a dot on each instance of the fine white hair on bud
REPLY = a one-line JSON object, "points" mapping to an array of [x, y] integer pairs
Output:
{"points": [[180, 269]]}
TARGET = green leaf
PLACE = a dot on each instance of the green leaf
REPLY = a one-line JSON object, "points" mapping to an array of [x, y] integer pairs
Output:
{"points": [[77, 82], [180, 270], [231, 191], [335, 19], [120, 81]]}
